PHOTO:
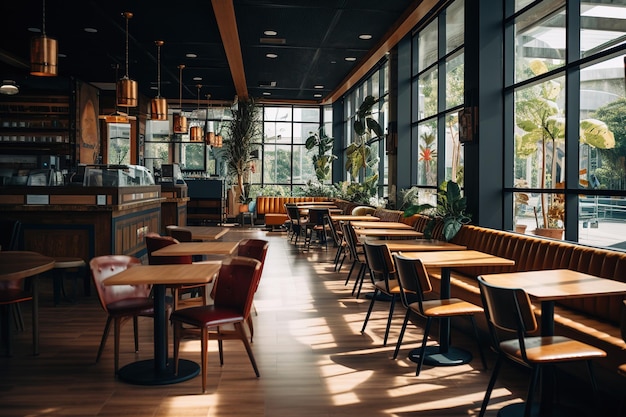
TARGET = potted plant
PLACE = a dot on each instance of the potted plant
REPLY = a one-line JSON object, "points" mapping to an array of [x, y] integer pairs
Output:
{"points": [[450, 211], [521, 202], [543, 125], [242, 130], [323, 160]]}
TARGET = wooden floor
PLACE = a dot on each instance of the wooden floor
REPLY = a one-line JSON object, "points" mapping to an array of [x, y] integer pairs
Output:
{"points": [[312, 357]]}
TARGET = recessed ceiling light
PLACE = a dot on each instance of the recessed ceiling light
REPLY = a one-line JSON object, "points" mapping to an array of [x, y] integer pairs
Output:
{"points": [[91, 30], [350, 58], [191, 55], [267, 93], [270, 33], [333, 62], [61, 55], [271, 56], [317, 95], [197, 78], [365, 36], [319, 87], [154, 87], [9, 87]]}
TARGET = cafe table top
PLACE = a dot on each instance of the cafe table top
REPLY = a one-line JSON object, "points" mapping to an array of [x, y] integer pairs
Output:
{"points": [[165, 274], [204, 232], [197, 248], [380, 225], [353, 217], [388, 233], [458, 258], [416, 245], [23, 264]]}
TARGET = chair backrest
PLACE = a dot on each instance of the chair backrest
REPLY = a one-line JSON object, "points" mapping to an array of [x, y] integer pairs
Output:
{"points": [[317, 216], [182, 235], [10, 230], [154, 241], [508, 309], [337, 237], [236, 284], [623, 321], [413, 280], [293, 212], [379, 261], [103, 267]]}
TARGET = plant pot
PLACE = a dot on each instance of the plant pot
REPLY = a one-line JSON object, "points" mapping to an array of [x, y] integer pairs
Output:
{"points": [[520, 228], [243, 208], [549, 232]]}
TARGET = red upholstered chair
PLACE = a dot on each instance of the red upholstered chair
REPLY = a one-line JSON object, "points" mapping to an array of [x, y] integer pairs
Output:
{"points": [[11, 294], [154, 241], [120, 302], [255, 249], [237, 280]]}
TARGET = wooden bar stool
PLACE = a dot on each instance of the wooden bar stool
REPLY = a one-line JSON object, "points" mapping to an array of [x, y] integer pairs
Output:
{"points": [[69, 267]]}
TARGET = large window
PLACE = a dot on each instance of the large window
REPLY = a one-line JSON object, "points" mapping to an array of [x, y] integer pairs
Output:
{"points": [[438, 85], [568, 104]]}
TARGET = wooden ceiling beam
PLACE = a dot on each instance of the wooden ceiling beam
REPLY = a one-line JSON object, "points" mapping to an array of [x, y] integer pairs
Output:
{"points": [[409, 19], [227, 24]]}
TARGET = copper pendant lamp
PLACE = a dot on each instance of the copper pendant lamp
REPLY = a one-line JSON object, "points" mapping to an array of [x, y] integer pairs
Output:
{"points": [[43, 52], [158, 105], [195, 133], [180, 121], [127, 91]]}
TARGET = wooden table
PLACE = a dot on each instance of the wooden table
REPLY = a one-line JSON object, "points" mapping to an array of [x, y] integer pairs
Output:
{"points": [[304, 210], [388, 233], [380, 225], [204, 232], [353, 217], [445, 355], [416, 245], [17, 265], [158, 371], [548, 286], [197, 248]]}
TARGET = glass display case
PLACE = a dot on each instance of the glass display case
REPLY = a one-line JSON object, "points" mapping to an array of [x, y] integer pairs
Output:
{"points": [[117, 176]]}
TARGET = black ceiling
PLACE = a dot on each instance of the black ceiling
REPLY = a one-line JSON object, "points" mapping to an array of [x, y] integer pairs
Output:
{"points": [[313, 39]]}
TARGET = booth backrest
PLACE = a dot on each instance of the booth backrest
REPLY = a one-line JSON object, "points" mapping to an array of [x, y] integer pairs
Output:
{"points": [[271, 204]]}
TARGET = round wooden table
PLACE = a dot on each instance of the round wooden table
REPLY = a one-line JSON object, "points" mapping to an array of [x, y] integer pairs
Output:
{"points": [[17, 265]]}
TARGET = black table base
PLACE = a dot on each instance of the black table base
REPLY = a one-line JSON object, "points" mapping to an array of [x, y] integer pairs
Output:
{"points": [[144, 373], [558, 410], [434, 357]]}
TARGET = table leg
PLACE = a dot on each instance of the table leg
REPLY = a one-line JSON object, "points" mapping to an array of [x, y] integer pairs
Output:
{"points": [[444, 354], [547, 377], [35, 290], [158, 371]]}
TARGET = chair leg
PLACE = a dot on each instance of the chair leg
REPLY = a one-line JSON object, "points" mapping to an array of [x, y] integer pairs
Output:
{"points": [[392, 306], [250, 327], [350, 274], [492, 382], [244, 338], [117, 324], [105, 335], [424, 341], [136, 333], [204, 357], [177, 333], [220, 348], [369, 310], [480, 349], [360, 279], [531, 390], [404, 323]]}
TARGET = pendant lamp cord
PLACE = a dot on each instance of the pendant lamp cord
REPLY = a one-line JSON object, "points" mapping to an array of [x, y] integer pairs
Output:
{"points": [[127, 16], [180, 88], [43, 25], [159, 43]]}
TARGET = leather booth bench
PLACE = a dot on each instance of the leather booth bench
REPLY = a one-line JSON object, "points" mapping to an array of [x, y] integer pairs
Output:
{"points": [[271, 209]]}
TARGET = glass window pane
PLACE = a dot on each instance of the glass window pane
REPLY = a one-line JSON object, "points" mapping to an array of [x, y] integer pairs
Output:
{"points": [[596, 33], [598, 220], [540, 43], [427, 154], [282, 114], [454, 150], [539, 134], [303, 168], [192, 156], [455, 25], [603, 132], [306, 114], [427, 39], [454, 80], [277, 164], [301, 131], [427, 102]]}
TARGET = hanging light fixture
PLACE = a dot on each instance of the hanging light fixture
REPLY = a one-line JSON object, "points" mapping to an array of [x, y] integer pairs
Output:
{"points": [[195, 133], [127, 90], [43, 52], [210, 135], [180, 121], [158, 105]]}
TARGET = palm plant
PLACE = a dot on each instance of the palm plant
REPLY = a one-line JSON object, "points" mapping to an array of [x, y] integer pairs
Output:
{"points": [[323, 160]]}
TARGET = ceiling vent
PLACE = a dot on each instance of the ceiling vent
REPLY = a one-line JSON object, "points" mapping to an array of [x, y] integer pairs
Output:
{"points": [[267, 83], [273, 41]]}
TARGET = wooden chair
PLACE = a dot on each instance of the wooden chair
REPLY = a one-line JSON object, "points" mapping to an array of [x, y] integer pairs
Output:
{"points": [[12, 293], [154, 241], [415, 284], [317, 225], [510, 310], [340, 243], [120, 302], [384, 280], [237, 280], [355, 249]]}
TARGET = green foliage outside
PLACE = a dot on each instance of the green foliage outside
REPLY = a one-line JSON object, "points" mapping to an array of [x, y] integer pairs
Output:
{"points": [[323, 160]]}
